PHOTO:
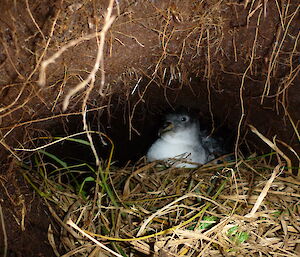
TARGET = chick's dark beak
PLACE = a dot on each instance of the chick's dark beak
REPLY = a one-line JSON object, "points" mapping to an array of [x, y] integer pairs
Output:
{"points": [[166, 127]]}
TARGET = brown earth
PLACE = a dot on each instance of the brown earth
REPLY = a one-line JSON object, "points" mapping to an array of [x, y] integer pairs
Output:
{"points": [[206, 55]]}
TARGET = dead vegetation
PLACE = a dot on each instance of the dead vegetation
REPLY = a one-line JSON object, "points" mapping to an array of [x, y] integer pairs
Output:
{"points": [[90, 57], [234, 209]]}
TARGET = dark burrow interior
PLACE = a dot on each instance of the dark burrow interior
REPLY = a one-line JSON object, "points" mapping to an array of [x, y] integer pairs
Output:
{"points": [[133, 124]]}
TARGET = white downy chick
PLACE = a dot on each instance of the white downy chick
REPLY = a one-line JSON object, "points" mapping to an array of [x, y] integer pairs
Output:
{"points": [[181, 142]]}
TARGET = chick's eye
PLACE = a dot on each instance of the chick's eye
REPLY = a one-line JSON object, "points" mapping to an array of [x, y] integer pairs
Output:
{"points": [[184, 118]]}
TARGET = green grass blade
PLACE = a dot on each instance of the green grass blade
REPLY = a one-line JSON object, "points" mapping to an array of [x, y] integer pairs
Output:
{"points": [[55, 158]]}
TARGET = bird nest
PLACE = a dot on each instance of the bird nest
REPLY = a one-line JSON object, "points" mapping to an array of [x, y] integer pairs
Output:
{"points": [[246, 207]]}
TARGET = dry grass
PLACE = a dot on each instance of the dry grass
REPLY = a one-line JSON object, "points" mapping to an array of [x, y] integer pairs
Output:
{"points": [[151, 209]]}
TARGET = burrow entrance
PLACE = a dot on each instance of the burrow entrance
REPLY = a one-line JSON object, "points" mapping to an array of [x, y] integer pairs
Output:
{"points": [[233, 63]]}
